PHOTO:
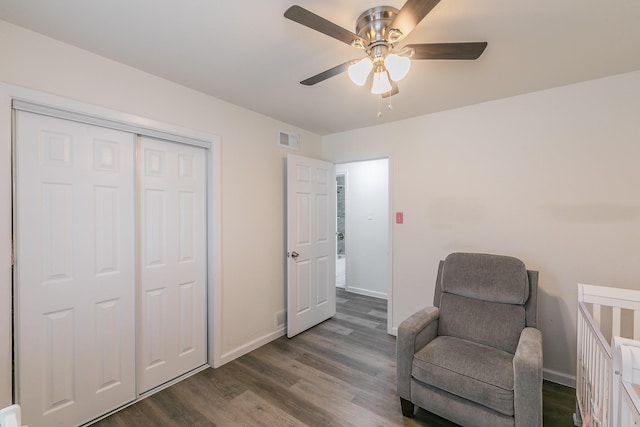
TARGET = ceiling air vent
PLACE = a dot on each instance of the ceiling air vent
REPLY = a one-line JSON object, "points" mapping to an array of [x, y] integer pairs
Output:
{"points": [[288, 140]]}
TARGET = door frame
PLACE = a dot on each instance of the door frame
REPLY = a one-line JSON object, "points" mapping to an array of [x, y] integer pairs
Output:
{"points": [[123, 121], [389, 157]]}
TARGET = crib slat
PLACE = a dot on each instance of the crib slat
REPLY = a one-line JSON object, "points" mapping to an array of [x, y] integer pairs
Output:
{"points": [[636, 325], [615, 327], [596, 313]]}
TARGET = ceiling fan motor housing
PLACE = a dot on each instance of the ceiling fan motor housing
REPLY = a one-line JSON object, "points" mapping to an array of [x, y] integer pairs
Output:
{"points": [[373, 26]]}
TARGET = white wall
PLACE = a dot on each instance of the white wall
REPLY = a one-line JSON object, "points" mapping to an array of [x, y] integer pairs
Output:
{"points": [[550, 177], [367, 226], [252, 174]]}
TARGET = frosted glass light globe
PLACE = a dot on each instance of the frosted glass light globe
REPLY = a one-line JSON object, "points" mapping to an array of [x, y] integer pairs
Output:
{"points": [[381, 83], [398, 66], [359, 71]]}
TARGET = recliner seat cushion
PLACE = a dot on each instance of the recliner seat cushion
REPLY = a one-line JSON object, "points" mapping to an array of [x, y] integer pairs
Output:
{"points": [[476, 372]]}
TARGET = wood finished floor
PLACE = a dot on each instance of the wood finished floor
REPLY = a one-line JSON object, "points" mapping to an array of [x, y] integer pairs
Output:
{"points": [[339, 373]]}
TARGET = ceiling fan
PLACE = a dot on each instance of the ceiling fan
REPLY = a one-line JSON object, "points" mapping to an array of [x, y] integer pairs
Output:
{"points": [[378, 30]]}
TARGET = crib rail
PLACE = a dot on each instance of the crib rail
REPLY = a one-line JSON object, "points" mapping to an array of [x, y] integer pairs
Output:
{"points": [[616, 298], [598, 390], [593, 382]]}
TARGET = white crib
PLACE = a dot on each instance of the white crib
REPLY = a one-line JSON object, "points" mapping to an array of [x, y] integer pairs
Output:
{"points": [[604, 313]]}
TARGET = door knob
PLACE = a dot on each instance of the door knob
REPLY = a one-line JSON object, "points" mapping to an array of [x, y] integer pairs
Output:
{"points": [[294, 254]]}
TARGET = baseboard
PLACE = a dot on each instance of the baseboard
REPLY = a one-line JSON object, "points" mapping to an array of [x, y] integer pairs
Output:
{"points": [[250, 346], [366, 292], [559, 378]]}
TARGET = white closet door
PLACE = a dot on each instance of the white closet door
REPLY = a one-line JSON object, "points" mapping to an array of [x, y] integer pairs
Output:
{"points": [[75, 274], [172, 269]]}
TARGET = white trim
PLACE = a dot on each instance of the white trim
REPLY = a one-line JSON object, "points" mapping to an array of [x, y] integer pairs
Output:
{"points": [[6, 371], [250, 346], [559, 378], [390, 328], [60, 103], [214, 255], [52, 104], [122, 124], [367, 292]]}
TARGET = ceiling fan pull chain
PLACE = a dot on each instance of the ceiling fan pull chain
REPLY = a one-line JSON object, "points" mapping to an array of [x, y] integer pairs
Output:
{"points": [[379, 106], [389, 106]]}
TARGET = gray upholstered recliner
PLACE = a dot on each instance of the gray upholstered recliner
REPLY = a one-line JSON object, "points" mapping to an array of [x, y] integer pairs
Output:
{"points": [[476, 357]]}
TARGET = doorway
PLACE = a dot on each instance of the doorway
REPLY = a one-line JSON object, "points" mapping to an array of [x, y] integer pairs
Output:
{"points": [[340, 230], [363, 227]]}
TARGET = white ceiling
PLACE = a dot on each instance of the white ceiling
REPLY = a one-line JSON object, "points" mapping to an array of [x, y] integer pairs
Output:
{"points": [[247, 53]]}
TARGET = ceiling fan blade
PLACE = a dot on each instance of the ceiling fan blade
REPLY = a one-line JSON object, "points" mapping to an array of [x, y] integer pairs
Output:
{"points": [[465, 50], [318, 23], [327, 74], [411, 14]]}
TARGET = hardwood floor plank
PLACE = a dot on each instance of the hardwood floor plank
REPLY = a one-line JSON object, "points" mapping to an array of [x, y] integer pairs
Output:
{"points": [[354, 320], [223, 382], [319, 378], [344, 411], [335, 328], [197, 395], [263, 413], [378, 313], [278, 394], [339, 373]]}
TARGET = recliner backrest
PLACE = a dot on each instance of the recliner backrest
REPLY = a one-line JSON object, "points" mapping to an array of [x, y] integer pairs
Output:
{"points": [[482, 299]]}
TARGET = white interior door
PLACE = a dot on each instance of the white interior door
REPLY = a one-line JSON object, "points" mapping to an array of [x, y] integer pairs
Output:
{"points": [[311, 244], [172, 263], [75, 275]]}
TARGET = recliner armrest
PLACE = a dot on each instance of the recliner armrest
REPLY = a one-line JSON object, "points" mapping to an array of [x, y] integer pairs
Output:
{"points": [[527, 377], [413, 333]]}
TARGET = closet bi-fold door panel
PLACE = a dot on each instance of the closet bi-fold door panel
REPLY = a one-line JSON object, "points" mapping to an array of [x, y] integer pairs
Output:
{"points": [[75, 270], [171, 265]]}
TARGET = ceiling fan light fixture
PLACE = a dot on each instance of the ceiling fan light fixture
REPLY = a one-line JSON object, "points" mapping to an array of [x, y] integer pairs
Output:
{"points": [[359, 71], [394, 35], [398, 66], [358, 44], [381, 83]]}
